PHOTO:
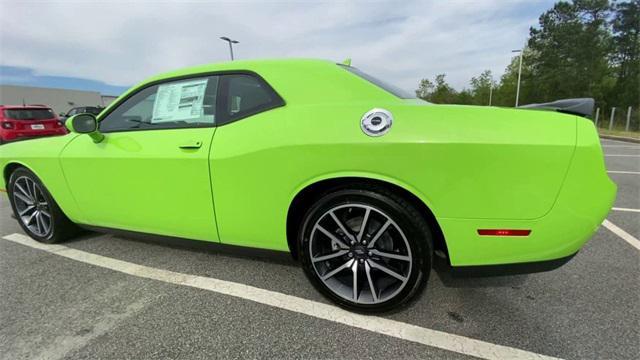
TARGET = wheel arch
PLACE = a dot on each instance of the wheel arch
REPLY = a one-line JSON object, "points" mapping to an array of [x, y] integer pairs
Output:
{"points": [[10, 167], [311, 191]]}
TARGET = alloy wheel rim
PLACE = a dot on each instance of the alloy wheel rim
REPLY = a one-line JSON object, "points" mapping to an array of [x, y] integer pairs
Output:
{"points": [[360, 253], [31, 206]]}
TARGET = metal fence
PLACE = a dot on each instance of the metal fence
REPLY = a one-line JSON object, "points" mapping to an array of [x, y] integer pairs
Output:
{"points": [[618, 119]]}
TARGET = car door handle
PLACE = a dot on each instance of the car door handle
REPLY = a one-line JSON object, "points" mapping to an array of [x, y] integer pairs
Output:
{"points": [[191, 145]]}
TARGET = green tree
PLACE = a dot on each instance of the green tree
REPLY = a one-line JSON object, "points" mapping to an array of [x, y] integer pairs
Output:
{"points": [[443, 93], [425, 89], [464, 97], [439, 91], [570, 51], [505, 92], [481, 88], [579, 48], [626, 55]]}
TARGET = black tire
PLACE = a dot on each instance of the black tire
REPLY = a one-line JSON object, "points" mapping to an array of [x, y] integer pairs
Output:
{"points": [[409, 222], [61, 228]]}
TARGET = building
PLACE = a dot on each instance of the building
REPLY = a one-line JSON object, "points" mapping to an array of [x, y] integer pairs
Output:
{"points": [[60, 100]]}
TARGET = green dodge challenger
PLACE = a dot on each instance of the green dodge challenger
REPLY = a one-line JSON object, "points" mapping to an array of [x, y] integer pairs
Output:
{"points": [[363, 183]]}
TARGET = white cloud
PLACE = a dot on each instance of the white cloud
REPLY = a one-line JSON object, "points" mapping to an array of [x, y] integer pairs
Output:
{"points": [[121, 42]]}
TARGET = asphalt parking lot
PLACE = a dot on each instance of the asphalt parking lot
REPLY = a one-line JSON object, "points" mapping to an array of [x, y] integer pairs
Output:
{"points": [[111, 297]]}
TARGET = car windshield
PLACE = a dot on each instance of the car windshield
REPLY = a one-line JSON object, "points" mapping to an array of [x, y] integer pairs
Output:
{"points": [[93, 110], [403, 94], [29, 114]]}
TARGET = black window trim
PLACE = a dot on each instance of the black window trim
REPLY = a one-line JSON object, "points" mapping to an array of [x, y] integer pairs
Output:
{"points": [[221, 117]]}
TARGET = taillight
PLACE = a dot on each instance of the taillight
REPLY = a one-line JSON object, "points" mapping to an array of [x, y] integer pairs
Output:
{"points": [[59, 123], [7, 125]]}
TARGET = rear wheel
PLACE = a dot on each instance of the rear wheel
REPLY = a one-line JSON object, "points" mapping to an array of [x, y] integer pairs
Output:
{"points": [[367, 250], [36, 211]]}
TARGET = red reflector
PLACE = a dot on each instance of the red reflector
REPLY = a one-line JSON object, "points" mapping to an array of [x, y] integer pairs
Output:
{"points": [[503, 232]]}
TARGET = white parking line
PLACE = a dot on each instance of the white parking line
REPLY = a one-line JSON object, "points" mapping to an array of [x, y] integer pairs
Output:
{"points": [[624, 172], [397, 329], [626, 209], [621, 155], [622, 234]]}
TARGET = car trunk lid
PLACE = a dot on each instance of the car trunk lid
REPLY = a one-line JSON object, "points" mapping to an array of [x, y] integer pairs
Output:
{"points": [[32, 118]]}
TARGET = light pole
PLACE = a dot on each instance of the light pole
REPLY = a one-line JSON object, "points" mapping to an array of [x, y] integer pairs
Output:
{"points": [[231, 42], [519, 75], [490, 90]]}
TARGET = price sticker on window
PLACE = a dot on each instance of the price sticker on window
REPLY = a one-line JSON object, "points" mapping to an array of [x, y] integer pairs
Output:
{"points": [[179, 101]]}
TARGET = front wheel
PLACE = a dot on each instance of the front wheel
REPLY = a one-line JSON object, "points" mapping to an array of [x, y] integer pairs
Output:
{"points": [[36, 211], [367, 250]]}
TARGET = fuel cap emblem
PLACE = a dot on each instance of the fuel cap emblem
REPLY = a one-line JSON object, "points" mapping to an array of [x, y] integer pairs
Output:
{"points": [[376, 122]]}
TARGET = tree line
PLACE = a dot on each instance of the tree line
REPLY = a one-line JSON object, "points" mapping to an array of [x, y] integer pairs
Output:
{"points": [[580, 48]]}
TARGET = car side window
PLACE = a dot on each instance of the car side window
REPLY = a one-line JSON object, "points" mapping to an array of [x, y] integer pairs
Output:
{"points": [[71, 112], [247, 95], [169, 105]]}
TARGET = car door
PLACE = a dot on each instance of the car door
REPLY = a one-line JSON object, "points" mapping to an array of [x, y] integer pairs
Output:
{"points": [[246, 149], [151, 172]]}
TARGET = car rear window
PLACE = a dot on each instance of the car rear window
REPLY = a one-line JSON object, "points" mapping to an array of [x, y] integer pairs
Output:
{"points": [[379, 83], [93, 110], [29, 114]]}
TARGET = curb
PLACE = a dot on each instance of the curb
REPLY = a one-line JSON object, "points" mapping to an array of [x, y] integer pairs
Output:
{"points": [[620, 138]]}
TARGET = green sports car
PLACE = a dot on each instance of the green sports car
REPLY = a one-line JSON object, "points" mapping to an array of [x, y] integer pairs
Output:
{"points": [[363, 183]]}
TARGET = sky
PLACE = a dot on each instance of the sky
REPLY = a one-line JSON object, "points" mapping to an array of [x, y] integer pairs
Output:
{"points": [[108, 46]]}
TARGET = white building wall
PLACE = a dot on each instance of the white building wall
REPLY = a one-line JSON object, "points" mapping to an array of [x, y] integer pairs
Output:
{"points": [[108, 99], [60, 100]]}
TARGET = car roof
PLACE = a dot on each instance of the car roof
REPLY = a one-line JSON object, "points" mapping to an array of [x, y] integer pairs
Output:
{"points": [[241, 65], [295, 80]]}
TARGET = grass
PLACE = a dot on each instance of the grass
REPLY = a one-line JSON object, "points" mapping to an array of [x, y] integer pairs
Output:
{"points": [[630, 134]]}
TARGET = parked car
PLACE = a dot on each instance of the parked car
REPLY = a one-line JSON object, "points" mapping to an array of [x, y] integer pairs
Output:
{"points": [[95, 110], [360, 181], [28, 121]]}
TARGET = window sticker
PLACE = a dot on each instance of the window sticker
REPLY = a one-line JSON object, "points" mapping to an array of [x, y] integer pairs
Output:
{"points": [[180, 101], [235, 104]]}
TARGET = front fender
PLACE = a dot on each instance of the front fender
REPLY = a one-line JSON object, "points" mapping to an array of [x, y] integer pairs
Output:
{"points": [[42, 157]]}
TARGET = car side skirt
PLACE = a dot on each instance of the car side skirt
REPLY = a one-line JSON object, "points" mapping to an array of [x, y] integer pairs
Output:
{"points": [[283, 257]]}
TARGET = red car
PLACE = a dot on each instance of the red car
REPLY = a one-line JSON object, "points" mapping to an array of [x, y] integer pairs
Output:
{"points": [[28, 121]]}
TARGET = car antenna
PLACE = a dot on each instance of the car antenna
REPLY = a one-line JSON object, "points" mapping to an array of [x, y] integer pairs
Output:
{"points": [[347, 62], [23, 102]]}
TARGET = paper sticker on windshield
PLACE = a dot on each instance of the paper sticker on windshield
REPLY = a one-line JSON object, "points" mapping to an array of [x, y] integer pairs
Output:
{"points": [[180, 101]]}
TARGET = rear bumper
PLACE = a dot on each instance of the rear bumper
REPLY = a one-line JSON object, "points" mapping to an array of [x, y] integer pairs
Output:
{"points": [[510, 269], [584, 201]]}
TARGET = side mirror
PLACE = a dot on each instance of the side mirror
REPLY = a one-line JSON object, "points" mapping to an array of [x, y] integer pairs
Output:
{"points": [[61, 115], [85, 124]]}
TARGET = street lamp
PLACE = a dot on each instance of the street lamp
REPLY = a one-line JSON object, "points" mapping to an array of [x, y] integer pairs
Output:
{"points": [[231, 42], [490, 90], [519, 75]]}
